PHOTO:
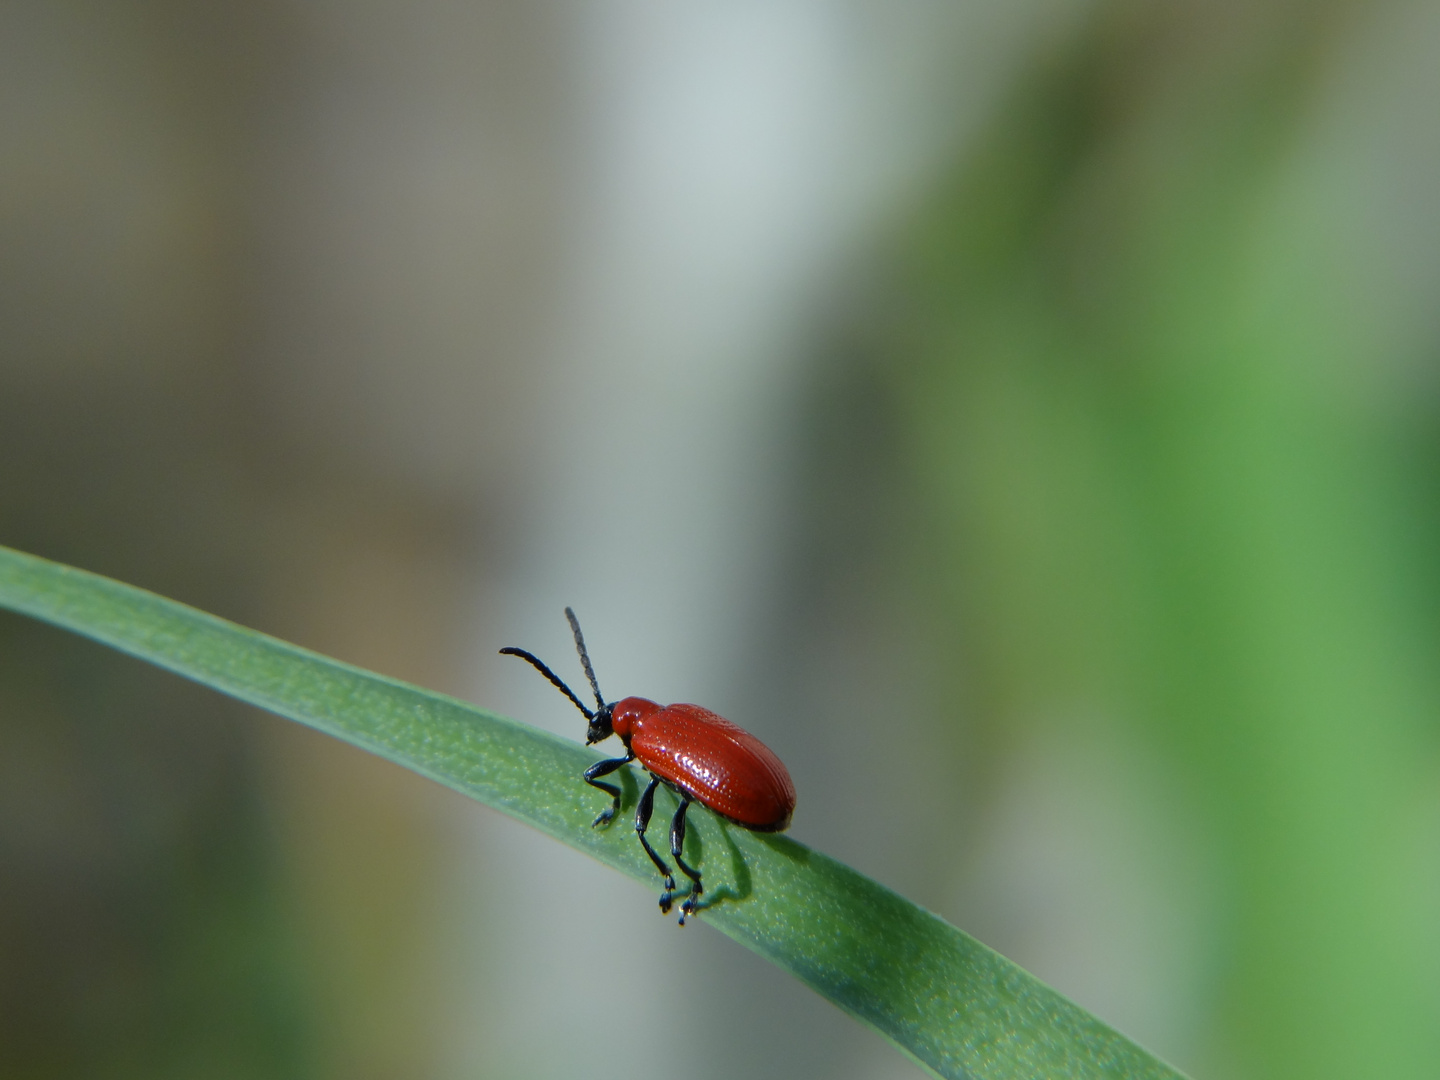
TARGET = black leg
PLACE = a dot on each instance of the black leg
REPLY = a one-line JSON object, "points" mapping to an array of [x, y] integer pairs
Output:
{"points": [[601, 768], [642, 821], [677, 845]]}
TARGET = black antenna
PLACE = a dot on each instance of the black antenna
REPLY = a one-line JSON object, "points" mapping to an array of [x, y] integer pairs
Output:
{"points": [[540, 666], [584, 657]]}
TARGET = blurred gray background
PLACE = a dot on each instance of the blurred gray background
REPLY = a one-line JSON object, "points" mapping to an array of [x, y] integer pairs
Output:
{"points": [[1023, 416]]}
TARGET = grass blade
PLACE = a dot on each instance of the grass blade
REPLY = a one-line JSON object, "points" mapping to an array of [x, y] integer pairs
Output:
{"points": [[950, 1003]]}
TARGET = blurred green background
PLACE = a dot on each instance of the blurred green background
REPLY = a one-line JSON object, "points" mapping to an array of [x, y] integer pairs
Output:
{"points": [[1026, 417]]}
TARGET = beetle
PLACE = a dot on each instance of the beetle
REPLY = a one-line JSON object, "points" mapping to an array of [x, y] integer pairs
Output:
{"points": [[700, 756]]}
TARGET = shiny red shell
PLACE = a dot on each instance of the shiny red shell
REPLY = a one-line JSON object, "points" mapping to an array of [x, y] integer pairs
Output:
{"points": [[720, 765]]}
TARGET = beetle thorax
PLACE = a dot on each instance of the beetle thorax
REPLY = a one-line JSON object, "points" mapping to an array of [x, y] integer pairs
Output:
{"points": [[625, 714]]}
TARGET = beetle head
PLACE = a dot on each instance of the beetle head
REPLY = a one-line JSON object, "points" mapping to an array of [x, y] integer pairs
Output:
{"points": [[601, 725]]}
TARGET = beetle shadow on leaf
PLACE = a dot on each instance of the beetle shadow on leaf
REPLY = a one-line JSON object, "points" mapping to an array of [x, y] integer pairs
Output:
{"points": [[740, 886], [785, 847], [629, 792]]}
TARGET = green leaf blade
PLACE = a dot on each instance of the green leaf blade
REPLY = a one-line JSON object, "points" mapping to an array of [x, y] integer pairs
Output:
{"points": [[954, 1006]]}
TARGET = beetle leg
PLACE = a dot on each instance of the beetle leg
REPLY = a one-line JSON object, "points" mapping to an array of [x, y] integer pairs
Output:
{"points": [[602, 768], [642, 821], [677, 845]]}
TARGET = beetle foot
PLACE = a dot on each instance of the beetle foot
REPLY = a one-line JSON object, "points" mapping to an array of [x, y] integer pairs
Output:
{"points": [[603, 818], [688, 907]]}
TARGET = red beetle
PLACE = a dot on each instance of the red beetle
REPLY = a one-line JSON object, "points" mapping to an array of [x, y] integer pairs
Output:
{"points": [[698, 755]]}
